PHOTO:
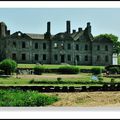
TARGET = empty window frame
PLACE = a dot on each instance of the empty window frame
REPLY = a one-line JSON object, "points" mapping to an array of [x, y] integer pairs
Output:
{"points": [[14, 56], [23, 56], [44, 56], [55, 57], [36, 45], [86, 58], [55, 45], [44, 46], [36, 57], [69, 46], [98, 58], [106, 58], [69, 57], [23, 45], [86, 47], [62, 45], [106, 48], [14, 44], [77, 58], [77, 47], [98, 47]]}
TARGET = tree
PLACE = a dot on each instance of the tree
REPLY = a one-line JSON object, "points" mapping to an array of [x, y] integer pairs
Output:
{"points": [[114, 39], [8, 66]]}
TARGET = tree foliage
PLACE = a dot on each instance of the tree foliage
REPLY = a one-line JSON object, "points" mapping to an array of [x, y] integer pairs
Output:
{"points": [[114, 39], [8, 66]]}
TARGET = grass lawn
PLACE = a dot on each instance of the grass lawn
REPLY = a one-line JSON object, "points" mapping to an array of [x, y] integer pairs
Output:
{"points": [[51, 80], [53, 66]]}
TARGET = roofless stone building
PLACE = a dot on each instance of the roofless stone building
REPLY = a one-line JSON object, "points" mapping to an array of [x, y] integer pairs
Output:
{"points": [[72, 47]]}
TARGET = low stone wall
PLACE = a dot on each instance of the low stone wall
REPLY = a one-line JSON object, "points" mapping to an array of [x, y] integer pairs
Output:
{"points": [[105, 87]]}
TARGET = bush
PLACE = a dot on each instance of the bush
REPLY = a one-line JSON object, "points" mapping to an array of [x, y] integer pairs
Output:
{"points": [[38, 70], [59, 79], [96, 70], [68, 70], [8, 66], [114, 70], [28, 98], [100, 79], [31, 81], [112, 80]]}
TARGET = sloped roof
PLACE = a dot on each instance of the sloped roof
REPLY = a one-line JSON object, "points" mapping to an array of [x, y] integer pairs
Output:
{"points": [[19, 34], [76, 35], [35, 36], [62, 36]]}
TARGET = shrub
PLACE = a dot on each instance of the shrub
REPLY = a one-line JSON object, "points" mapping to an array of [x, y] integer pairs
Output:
{"points": [[96, 70], [59, 79], [68, 70], [8, 66], [31, 81], [100, 79], [112, 80], [38, 70], [114, 70], [28, 98]]}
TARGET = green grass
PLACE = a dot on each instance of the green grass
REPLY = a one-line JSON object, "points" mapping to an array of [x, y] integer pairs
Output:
{"points": [[27, 98], [46, 66], [82, 79]]}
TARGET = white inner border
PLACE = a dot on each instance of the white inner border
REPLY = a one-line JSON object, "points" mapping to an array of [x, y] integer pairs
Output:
{"points": [[59, 112], [59, 4]]}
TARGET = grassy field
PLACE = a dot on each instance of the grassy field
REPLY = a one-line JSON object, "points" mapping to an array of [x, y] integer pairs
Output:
{"points": [[87, 99], [53, 66], [51, 80]]}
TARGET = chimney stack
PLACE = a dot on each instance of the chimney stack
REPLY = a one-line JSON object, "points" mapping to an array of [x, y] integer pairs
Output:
{"points": [[48, 27], [68, 27], [89, 27], [88, 24], [79, 29], [8, 32], [74, 31], [3, 29], [47, 35]]}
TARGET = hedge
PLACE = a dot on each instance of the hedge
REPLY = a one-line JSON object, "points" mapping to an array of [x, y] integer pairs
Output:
{"points": [[68, 69]]}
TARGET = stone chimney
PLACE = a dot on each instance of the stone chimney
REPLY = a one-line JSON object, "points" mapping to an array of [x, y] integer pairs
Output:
{"points": [[74, 31], [47, 35], [68, 28], [48, 27], [79, 29], [3, 29], [8, 32], [88, 27]]}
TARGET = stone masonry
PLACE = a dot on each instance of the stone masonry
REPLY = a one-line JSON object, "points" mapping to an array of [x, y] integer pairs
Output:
{"points": [[75, 48]]}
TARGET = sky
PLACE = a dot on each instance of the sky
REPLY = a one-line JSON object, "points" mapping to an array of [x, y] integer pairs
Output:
{"points": [[34, 20]]}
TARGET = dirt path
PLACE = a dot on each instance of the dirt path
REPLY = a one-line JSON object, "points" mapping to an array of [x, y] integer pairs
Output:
{"points": [[88, 99], [52, 76]]}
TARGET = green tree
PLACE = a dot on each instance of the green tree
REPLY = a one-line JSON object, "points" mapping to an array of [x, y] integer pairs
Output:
{"points": [[114, 39], [8, 66]]}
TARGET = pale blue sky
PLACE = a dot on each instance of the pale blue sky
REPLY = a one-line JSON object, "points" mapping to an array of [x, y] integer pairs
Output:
{"points": [[33, 20]]}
